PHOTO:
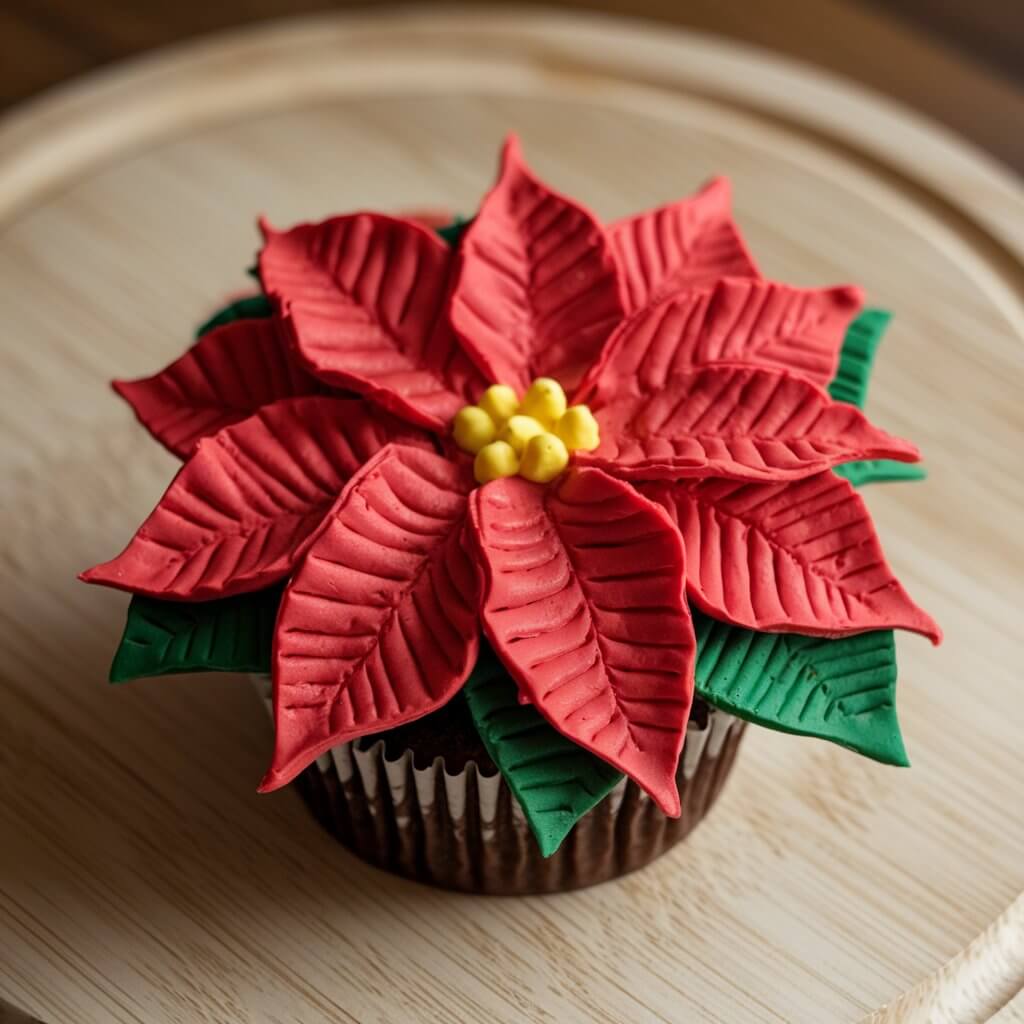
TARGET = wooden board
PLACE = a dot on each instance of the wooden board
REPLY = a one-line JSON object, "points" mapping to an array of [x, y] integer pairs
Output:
{"points": [[141, 877]]}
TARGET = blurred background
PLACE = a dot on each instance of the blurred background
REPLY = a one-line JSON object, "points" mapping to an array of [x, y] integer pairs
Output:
{"points": [[960, 62]]}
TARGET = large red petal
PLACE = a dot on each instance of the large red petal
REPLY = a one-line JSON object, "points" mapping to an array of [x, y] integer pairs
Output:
{"points": [[584, 604], [379, 624], [537, 292], [223, 378], [737, 421], [757, 322], [794, 557], [687, 244], [238, 513], [363, 297]]}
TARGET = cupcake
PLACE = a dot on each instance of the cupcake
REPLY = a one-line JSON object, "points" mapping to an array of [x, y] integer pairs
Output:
{"points": [[518, 522]]}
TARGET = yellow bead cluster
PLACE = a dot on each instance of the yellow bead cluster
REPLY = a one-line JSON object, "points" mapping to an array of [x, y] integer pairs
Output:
{"points": [[532, 438]]}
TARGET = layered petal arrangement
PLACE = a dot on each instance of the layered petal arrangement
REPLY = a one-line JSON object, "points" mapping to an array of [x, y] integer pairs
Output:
{"points": [[577, 472]]}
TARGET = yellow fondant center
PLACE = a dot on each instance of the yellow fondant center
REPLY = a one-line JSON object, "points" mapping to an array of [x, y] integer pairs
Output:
{"points": [[534, 437]]}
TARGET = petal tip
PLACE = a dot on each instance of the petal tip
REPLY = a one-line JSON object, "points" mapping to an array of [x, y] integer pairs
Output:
{"points": [[889, 446], [667, 798], [848, 296], [290, 757], [272, 781], [265, 227], [512, 148], [720, 188], [912, 451], [95, 574]]}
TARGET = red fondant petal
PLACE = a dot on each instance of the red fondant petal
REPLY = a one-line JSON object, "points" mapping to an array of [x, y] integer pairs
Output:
{"points": [[536, 292], [363, 296], [794, 557], [756, 322], [379, 624], [584, 604], [737, 421], [236, 516], [687, 244], [223, 378]]}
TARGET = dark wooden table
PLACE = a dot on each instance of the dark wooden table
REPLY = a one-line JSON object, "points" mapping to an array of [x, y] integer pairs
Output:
{"points": [[960, 63]]}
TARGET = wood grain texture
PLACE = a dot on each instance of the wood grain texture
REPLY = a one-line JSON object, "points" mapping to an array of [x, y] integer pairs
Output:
{"points": [[141, 877], [975, 985]]}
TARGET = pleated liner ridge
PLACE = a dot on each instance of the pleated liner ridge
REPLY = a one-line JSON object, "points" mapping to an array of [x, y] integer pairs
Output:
{"points": [[466, 831]]}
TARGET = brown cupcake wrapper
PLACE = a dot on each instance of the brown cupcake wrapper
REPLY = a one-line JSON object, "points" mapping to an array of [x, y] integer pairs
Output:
{"points": [[466, 830]]}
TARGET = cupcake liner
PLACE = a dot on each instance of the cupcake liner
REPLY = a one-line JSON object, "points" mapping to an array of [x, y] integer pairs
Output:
{"points": [[466, 831]]}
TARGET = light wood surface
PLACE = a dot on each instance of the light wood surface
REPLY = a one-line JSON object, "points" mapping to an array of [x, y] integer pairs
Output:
{"points": [[142, 878], [957, 62]]}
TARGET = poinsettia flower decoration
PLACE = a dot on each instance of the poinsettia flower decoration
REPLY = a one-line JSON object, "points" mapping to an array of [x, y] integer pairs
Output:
{"points": [[704, 476]]}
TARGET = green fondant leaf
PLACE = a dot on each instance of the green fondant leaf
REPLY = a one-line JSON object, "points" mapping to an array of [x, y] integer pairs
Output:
{"points": [[452, 233], [840, 690], [232, 634], [876, 471], [249, 308], [863, 336], [555, 781], [850, 384]]}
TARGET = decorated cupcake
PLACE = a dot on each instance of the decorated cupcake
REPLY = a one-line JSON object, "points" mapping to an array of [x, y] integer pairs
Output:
{"points": [[518, 521]]}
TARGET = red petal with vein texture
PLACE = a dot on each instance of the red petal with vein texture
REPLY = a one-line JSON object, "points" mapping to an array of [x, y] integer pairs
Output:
{"points": [[687, 244], [584, 603], [379, 625], [363, 296], [238, 513], [756, 322], [795, 557], [737, 421], [223, 378], [536, 292]]}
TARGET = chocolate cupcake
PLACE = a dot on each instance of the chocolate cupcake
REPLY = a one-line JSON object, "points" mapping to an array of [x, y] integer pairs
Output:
{"points": [[427, 801], [524, 517]]}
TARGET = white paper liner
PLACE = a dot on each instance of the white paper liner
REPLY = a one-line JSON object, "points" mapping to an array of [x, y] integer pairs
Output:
{"points": [[385, 779]]}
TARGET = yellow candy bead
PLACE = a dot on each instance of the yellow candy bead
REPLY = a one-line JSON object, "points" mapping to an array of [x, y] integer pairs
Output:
{"points": [[544, 458], [499, 401], [519, 430], [473, 428], [578, 429], [544, 401], [494, 461]]}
